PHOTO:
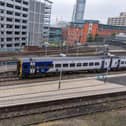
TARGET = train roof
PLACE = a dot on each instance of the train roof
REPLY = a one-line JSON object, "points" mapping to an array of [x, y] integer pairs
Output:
{"points": [[28, 59]]}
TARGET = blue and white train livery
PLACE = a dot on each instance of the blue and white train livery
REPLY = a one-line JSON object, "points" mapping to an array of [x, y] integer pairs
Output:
{"points": [[28, 67]]}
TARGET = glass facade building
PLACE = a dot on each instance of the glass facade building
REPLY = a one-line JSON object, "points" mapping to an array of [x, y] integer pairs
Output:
{"points": [[78, 12]]}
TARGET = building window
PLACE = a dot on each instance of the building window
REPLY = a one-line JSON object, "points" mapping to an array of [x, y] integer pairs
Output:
{"points": [[25, 2], [9, 12], [16, 44], [9, 26], [17, 20], [9, 19], [2, 3], [18, 1], [18, 7], [1, 11], [10, 5], [25, 9], [9, 39], [17, 14], [2, 39], [9, 45]]}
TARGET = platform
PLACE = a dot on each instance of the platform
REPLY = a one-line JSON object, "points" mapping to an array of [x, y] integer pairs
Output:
{"points": [[49, 91]]}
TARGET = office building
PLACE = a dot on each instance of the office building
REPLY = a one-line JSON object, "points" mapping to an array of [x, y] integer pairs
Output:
{"points": [[78, 12], [55, 34], [118, 21], [80, 32], [13, 23], [39, 21], [24, 22]]}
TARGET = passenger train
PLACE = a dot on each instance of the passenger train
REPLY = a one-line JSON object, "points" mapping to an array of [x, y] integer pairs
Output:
{"points": [[32, 67]]}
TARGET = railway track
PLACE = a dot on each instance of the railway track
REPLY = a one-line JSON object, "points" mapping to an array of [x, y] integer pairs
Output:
{"points": [[14, 80], [3, 79], [8, 76], [55, 110], [43, 102], [49, 52]]}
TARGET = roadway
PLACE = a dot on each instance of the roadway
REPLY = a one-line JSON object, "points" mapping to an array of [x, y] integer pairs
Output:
{"points": [[49, 91]]}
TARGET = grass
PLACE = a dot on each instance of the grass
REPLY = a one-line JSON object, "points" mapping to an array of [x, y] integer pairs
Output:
{"points": [[114, 118]]}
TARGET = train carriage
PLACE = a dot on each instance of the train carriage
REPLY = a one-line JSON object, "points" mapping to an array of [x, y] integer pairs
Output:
{"points": [[28, 67]]}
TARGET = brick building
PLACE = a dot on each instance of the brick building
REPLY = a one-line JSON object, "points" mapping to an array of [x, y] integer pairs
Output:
{"points": [[80, 32]]}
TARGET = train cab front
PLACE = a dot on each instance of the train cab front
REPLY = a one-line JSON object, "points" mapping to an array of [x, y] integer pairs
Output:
{"points": [[19, 68]]}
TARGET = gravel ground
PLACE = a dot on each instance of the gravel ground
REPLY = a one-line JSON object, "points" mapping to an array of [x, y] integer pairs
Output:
{"points": [[114, 118]]}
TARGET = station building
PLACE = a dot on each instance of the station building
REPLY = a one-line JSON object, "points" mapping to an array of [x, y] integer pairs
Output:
{"points": [[80, 32], [118, 21], [55, 34], [24, 22]]}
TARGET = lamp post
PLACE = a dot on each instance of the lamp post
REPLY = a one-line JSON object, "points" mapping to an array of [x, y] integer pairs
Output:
{"points": [[46, 44], [78, 44], [59, 87], [60, 78], [106, 53]]}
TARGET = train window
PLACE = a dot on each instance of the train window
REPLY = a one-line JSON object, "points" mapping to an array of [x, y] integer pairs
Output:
{"points": [[91, 64], [97, 64], [72, 65], [42, 66], [78, 64], [122, 62], [85, 64], [50, 65], [58, 65], [25, 66], [65, 65]]}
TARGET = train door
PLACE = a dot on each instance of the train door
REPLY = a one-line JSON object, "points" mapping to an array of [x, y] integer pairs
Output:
{"points": [[110, 65], [32, 67], [118, 65], [115, 63], [103, 65]]}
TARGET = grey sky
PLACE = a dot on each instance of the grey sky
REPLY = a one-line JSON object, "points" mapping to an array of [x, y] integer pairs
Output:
{"points": [[95, 9]]}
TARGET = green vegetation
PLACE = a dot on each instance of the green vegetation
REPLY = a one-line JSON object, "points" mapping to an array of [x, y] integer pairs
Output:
{"points": [[90, 38], [113, 34]]}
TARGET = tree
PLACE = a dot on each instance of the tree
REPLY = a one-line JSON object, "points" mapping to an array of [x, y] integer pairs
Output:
{"points": [[90, 38], [113, 34], [96, 37]]}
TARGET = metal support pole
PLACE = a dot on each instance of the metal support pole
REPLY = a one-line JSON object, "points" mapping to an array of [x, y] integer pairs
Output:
{"points": [[77, 52], [60, 79], [106, 53], [45, 51]]}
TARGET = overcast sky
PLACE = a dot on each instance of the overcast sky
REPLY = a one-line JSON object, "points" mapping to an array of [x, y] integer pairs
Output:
{"points": [[95, 9]]}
